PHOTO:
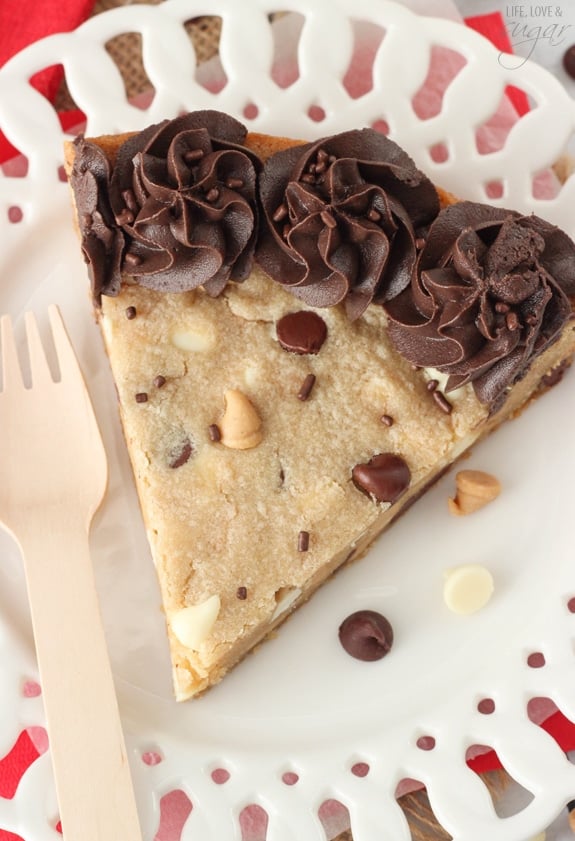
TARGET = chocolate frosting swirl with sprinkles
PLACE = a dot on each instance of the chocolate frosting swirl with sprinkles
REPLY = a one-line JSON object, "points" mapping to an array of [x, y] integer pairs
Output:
{"points": [[491, 293], [341, 218], [177, 210]]}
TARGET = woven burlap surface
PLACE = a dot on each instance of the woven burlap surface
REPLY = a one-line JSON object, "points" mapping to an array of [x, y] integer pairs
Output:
{"points": [[204, 32]]}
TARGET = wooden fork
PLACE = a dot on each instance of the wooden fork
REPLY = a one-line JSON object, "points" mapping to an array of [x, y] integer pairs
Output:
{"points": [[53, 476]]}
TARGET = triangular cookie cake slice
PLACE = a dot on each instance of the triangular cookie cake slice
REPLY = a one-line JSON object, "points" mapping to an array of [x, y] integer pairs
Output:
{"points": [[281, 411]]}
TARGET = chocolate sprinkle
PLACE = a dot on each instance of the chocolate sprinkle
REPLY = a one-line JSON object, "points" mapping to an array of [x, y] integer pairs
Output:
{"points": [[141, 397], [306, 387], [432, 385], [159, 381], [214, 432], [366, 635], [303, 541], [387, 420], [442, 402], [242, 593], [130, 313]]}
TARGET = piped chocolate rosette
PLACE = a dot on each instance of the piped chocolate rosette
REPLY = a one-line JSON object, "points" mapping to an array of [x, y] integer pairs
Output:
{"points": [[178, 208], [341, 219], [490, 293]]}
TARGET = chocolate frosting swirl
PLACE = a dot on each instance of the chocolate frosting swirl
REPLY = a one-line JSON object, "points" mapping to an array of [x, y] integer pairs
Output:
{"points": [[490, 293], [178, 210], [340, 219]]}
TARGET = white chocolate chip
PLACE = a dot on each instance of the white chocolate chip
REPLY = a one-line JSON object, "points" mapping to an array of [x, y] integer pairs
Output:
{"points": [[240, 426], [191, 625], [474, 490], [197, 337], [285, 597], [467, 588]]}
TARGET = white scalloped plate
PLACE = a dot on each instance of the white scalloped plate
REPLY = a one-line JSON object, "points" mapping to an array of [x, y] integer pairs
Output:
{"points": [[300, 706]]}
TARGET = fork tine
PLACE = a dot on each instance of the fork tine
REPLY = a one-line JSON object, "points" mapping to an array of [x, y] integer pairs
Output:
{"points": [[38, 362], [67, 361], [11, 370]]}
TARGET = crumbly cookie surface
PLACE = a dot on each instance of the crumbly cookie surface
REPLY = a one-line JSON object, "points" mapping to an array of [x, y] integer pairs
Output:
{"points": [[226, 522]]}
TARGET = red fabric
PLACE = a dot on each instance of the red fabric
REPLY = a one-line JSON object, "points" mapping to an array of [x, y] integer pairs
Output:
{"points": [[492, 26], [24, 21]]}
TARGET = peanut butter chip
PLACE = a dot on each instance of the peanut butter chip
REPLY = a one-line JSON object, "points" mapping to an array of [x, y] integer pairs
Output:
{"points": [[301, 332], [191, 625], [385, 477], [474, 490], [467, 588], [240, 426]]}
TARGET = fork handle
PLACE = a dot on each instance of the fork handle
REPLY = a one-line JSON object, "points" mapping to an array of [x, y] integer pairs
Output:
{"points": [[92, 774]]}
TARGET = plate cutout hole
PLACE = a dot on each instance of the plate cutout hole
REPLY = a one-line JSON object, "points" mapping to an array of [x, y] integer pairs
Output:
{"points": [[205, 34], [16, 164], [334, 817], [481, 758], [368, 38], [253, 823], [536, 660], [491, 135], [220, 776], [425, 743], [486, 706], [360, 769], [290, 778], [15, 214], [175, 809], [251, 111], [439, 153], [152, 756], [16, 762], [137, 85], [494, 189], [382, 126], [413, 800], [316, 113], [286, 32], [545, 184], [444, 66], [31, 689]]}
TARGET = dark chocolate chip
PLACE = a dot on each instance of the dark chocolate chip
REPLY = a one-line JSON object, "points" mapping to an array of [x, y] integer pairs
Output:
{"points": [[303, 541], [130, 313], [556, 374], [182, 455], [301, 332], [306, 387], [569, 61], [242, 593], [385, 477], [366, 635], [159, 381], [141, 397]]}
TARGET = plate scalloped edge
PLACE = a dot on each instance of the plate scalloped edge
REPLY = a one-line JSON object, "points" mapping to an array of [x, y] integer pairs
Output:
{"points": [[537, 140]]}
